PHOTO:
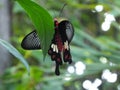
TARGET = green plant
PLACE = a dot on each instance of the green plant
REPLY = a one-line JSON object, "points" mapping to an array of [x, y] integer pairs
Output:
{"points": [[42, 20]]}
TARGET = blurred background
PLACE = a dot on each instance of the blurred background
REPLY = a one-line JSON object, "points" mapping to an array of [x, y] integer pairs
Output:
{"points": [[95, 47]]}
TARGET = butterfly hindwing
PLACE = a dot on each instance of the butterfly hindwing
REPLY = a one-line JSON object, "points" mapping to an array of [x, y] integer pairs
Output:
{"points": [[66, 53], [31, 41], [54, 52], [55, 56]]}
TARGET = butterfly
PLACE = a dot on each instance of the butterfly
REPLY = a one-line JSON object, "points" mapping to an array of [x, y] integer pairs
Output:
{"points": [[59, 50]]}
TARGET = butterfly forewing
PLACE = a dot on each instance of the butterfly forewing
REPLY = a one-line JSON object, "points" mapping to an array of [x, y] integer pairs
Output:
{"points": [[67, 28], [31, 41]]}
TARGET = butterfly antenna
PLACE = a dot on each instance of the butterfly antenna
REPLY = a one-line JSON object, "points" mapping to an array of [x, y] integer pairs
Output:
{"points": [[62, 10], [54, 13]]}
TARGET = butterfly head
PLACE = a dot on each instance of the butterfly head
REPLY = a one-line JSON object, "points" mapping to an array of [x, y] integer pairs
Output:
{"points": [[59, 19]]}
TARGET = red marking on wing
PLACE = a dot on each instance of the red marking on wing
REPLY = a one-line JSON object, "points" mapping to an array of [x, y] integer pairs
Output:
{"points": [[67, 56], [53, 56], [58, 59], [49, 52], [59, 42]]}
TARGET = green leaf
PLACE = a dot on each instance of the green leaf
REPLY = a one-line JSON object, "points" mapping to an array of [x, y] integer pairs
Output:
{"points": [[42, 21], [15, 52]]}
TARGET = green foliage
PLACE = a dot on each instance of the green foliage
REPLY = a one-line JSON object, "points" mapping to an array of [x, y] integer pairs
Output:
{"points": [[42, 20], [18, 78], [15, 53]]}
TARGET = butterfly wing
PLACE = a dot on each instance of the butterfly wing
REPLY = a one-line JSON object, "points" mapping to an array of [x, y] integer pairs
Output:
{"points": [[66, 53], [55, 54], [66, 32], [67, 28], [31, 41]]}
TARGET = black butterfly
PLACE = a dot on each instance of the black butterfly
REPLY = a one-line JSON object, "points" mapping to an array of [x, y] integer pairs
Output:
{"points": [[59, 49]]}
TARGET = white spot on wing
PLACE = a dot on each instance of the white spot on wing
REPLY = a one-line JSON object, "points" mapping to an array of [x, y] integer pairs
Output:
{"points": [[66, 45], [54, 47]]}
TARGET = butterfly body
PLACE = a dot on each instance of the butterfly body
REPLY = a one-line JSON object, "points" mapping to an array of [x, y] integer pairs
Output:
{"points": [[59, 50]]}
